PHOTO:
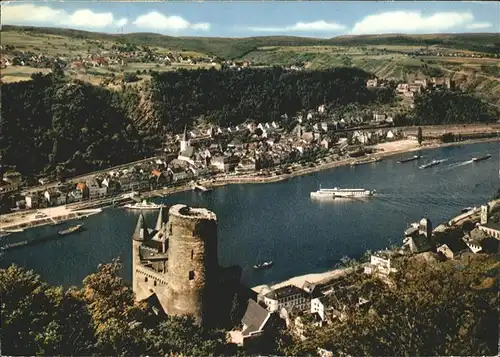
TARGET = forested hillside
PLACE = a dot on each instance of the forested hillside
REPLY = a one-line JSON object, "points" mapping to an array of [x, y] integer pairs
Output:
{"points": [[451, 108], [230, 97], [50, 124]]}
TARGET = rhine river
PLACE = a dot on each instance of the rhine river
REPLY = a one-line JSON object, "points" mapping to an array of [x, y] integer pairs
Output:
{"points": [[279, 221]]}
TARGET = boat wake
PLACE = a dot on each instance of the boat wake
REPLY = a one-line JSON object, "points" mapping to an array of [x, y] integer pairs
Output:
{"points": [[456, 165]]}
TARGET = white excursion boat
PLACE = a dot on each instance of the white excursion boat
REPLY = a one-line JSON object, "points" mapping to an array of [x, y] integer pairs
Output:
{"points": [[342, 193], [144, 205]]}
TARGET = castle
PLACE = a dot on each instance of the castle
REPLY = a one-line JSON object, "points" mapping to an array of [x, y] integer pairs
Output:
{"points": [[177, 261]]}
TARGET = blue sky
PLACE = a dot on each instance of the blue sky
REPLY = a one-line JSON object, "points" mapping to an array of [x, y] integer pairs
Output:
{"points": [[241, 19]]}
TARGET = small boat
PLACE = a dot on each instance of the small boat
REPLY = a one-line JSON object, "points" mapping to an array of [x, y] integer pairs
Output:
{"points": [[70, 230], [467, 209], [16, 230], [264, 265], [431, 164], [14, 245], [4, 234], [56, 223], [481, 158], [413, 158], [144, 205], [368, 161]]}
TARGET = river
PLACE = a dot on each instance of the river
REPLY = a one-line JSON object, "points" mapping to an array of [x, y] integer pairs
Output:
{"points": [[279, 221]]}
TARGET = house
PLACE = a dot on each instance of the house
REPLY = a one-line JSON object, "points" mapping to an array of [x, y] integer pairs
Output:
{"points": [[321, 109], [390, 135], [55, 198], [177, 173], [371, 83], [318, 306], [488, 225], [32, 201], [225, 163], [378, 266], [245, 165], [378, 117], [326, 143], [479, 241], [289, 297], [97, 192], [453, 248], [254, 324]]}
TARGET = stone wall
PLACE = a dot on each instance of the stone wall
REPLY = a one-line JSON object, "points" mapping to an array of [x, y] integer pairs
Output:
{"points": [[192, 263]]}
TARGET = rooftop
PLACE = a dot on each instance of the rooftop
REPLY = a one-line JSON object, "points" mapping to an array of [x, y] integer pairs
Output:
{"points": [[285, 291], [255, 316]]}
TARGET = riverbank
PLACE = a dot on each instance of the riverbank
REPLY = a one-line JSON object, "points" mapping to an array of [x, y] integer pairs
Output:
{"points": [[381, 151], [299, 281], [53, 215]]}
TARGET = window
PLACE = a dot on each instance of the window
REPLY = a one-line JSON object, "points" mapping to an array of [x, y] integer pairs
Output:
{"points": [[155, 283], [192, 255], [191, 275], [146, 279]]}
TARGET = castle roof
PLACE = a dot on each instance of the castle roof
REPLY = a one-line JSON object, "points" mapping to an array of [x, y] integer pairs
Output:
{"points": [[141, 232], [160, 220]]}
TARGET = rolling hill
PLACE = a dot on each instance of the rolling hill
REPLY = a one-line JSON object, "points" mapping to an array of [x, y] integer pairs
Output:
{"points": [[233, 48]]}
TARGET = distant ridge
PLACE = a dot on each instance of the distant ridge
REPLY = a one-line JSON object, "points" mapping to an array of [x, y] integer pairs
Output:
{"points": [[232, 48]]}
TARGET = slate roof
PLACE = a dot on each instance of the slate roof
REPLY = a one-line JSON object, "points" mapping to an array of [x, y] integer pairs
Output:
{"points": [[155, 305], [422, 243], [285, 291], [457, 245], [492, 225], [188, 152], [254, 318]]}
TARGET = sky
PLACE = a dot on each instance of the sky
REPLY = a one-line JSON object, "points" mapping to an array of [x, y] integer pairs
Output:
{"points": [[323, 19]]}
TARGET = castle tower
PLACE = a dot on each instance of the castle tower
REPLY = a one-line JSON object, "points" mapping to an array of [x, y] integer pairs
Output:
{"points": [[485, 212], [192, 263], [160, 220], [140, 235]]}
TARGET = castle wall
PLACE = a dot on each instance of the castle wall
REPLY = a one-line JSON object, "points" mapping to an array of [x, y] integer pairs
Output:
{"points": [[149, 281], [192, 263]]}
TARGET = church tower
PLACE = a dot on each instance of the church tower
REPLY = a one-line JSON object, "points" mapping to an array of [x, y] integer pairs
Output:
{"points": [[184, 140], [485, 210]]}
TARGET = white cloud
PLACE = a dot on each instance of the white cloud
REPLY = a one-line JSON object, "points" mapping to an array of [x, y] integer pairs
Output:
{"points": [[479, 25], [45, 15], [302, 27], [156, 21], [411, 22]]}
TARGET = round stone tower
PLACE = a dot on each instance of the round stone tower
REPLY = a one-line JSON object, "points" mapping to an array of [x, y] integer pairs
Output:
{"points": [[192, 263]]}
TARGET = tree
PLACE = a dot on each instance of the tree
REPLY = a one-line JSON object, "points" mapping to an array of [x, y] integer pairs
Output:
{"points": [[419, 136]]}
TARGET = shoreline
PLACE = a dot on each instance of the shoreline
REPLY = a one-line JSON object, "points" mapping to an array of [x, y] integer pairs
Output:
{"points": [[330, 165], [160, 193]]}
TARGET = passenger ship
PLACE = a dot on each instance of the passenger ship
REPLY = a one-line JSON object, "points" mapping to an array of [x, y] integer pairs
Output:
{"points": [[342, 193]]}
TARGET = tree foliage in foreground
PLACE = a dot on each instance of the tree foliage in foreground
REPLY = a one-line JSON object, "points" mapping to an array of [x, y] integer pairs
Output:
{"points": [[445, 309], [101, 318]]}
